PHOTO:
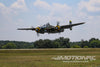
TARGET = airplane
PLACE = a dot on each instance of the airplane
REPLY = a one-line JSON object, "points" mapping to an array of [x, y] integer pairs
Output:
{"points": [[47, 28]]}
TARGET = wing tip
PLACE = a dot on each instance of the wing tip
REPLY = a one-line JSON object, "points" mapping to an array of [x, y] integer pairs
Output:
{"points": [[83, 22], [19, 29]]}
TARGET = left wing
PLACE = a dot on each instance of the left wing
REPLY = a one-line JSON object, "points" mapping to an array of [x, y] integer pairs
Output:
{"points": [[26, 29], [71, 25]]}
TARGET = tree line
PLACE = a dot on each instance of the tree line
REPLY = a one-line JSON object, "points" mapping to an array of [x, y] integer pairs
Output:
{"points": [[46, 43]]}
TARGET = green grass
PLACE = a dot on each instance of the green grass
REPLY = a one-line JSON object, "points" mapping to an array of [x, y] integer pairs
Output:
{"points": [[42, 57]]}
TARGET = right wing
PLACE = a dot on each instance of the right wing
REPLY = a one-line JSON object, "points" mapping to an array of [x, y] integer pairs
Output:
{"points": [[71, 25]]}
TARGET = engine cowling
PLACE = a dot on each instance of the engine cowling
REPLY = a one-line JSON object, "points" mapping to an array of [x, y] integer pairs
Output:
{"points": [[37, 29], [57, 27]]}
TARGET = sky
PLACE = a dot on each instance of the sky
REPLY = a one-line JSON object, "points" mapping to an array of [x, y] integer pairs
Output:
{"points": [[32, 13]]}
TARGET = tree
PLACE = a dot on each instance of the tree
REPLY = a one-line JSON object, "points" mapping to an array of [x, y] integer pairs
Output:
{"points": [[56, 44], [63, 42], [43, 43], [66, 42], [95, 43], [85, 46], [76, 46], [84, 43], [9, 46], [38, 44], [93, 39]]}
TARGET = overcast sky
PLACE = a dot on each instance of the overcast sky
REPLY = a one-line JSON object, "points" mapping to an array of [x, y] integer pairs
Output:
{"points": [[32, 13]]}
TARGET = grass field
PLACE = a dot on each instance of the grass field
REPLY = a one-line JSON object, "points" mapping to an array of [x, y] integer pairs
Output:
{"points": [[43, 57]]}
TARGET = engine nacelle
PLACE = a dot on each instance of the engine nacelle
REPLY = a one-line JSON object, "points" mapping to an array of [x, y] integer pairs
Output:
{"points": [[37, 29], [57, 27]]}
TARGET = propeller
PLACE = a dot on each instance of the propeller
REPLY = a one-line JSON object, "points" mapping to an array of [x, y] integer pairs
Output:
{"points": [[57, 27], [70, 22], [37, 34]]}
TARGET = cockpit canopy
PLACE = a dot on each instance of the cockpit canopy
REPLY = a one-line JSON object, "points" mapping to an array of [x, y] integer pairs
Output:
{"points": [[45, 25]]}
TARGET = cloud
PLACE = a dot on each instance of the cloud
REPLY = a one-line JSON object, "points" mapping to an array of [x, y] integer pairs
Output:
{"points": [[49, 12], [7, 13], [51, 19], [3, 8], [54, 8], [91, 5], [54, 11], [15, 8], [19, 4], [88, 9], [63, 13], [42, 4], [60, 9]]}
